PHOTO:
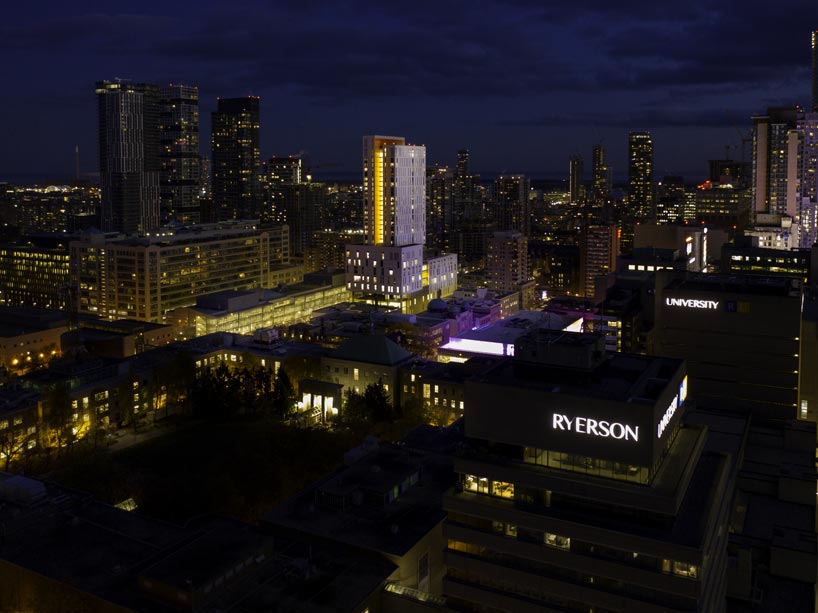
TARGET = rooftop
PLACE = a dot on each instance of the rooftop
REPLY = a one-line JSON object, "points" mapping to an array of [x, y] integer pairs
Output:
{"points": [[371, 348], [143, 564], [385, 501], [738, 284]]}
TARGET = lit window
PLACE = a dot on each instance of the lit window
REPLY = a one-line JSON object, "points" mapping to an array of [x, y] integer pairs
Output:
{"points": [[555, 540], [355, 374]]}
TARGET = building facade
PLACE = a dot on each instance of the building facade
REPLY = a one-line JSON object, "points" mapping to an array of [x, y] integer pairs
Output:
{"points": [[507, 261], [144, 278], [236, 159], [640, 175], [740, 337], [510, 204], [601, 186], [34, 273], [576, 186], [598, 253], [179, 157], [389, 268], [579, 489], [129, 148]]}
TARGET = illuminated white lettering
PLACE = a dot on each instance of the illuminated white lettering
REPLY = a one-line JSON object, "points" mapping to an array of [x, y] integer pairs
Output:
{"points": [[617, 431], [593, 427], [663, 423], [693, 303]]}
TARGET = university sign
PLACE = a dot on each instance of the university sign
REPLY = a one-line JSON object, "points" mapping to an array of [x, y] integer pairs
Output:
{"points": [[677, 401], [693, 303], [594, 427]]}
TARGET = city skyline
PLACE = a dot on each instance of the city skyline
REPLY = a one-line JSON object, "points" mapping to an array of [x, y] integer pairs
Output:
{"points": [[522, 95]]}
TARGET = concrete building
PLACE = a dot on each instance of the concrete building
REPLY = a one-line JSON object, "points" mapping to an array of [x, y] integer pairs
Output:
{"points": [[385, 500], [129, 147], [807, 125], [774, 231], [389, 268], [581, 489], [64, 551], [739, 335], [145, 278], [34, 272], [726, 206], [365, 359], [30, 337], [692, 244], [507, 261], [775, 152], [640, 176], [245, 312], [511, 210], [745, 257], [576, 186], [498, 337], [598, 253], [236, 159], [179, 175]]}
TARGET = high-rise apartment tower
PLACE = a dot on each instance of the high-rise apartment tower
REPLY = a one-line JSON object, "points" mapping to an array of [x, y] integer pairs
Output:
{"points": [[236, 159], [128, 116], [640, 175]]}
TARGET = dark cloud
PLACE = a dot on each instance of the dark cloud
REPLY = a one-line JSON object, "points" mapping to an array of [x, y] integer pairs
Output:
{"points": [[592, 63], [640, 119]]}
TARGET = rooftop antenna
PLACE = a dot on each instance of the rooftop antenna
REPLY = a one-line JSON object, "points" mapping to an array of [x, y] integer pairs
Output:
{"points": [[76, 162]]}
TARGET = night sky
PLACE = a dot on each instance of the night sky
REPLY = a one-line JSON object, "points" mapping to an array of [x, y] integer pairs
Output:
{"points": [[522, 84]]}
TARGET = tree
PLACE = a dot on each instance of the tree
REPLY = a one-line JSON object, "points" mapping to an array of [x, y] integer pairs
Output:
{"points": [[417, 411], [13, 443], [354, 412], [59, 415], [283, 399], [378, 404], [371, 407], [181, 374]]}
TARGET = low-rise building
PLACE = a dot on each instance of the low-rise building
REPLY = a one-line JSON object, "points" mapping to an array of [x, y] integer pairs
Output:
{"points": [[245, 312]]}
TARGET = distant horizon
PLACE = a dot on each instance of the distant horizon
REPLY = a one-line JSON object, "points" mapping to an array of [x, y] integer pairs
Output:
{"points": [[347, 177]]}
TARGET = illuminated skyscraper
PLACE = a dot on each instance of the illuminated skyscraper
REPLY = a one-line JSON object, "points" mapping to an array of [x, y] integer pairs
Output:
{"points": [[598, 252], [775, 153], [601, 188], [389, 267], [440, 196], [236, 159], [575, 186], [128, 115], [394, 192], [179, 140], [276, 173], [808, 180], [507, 261], [640, 175], [510, 205]]}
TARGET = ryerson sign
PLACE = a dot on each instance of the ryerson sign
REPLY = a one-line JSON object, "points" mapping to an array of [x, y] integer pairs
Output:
{"points": [[603, 429], [692, 303]]}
